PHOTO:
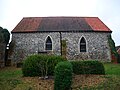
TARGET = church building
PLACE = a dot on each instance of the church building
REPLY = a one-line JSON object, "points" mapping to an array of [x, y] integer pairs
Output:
{"points": [[76, 38]]}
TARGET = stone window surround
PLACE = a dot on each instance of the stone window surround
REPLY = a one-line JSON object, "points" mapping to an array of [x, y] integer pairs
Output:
{"points": [[45, 43], [79, 44], [82, 45]]}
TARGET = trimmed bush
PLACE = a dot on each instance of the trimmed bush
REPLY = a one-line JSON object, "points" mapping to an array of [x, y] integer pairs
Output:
{"points": [[87, 67], [63, 76], [30, 66], [40, 65], [52, 62]]}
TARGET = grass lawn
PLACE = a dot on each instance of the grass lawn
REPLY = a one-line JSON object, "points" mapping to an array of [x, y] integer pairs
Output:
{"points": [[11, 79], [112, 69]]}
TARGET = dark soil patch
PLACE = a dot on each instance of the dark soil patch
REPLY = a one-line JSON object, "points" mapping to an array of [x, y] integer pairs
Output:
{"points": [[78, 81]]}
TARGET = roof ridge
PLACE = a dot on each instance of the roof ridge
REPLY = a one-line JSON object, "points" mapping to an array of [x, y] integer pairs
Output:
{"points": [[62, 17]]}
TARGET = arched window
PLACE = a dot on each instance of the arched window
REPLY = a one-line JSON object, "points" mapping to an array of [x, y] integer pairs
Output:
{"points": [[48, 45], [82, 45]]}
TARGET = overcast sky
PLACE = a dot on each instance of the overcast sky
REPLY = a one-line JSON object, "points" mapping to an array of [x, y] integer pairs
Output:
{"points": [[12, 11]]}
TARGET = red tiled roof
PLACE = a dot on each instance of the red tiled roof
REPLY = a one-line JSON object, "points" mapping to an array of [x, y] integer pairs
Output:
{"points": [[96, 24], [33, 24], [27, 25]]}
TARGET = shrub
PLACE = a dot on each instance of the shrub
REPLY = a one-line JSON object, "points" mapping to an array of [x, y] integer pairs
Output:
{"points": [[52, 62], [63, 76], [30, 66], [40, 65], [77, 67], [87, 67]]}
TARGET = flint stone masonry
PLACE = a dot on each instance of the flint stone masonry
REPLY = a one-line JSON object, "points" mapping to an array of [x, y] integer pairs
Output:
{"points": [[32, 43], [96, 43]]}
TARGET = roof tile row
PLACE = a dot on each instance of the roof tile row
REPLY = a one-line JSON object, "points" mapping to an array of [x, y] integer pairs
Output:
{"points": [[33, 24]]}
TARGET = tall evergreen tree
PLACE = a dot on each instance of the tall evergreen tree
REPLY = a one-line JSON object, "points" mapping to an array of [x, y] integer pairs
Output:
{"points": [[5, 35], [1, 35], [4, 40]]}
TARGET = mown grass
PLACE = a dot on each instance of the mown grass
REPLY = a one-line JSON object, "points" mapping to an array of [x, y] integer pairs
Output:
{"points": [[112, 69], [10, 72], [11, 79]]}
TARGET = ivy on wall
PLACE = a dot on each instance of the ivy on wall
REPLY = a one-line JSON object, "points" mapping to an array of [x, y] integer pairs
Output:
{"points": [[64, 47], [113, 49]]}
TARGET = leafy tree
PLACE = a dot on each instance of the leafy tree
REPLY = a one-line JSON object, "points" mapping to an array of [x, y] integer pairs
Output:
{"points": [[1, 35], [1, 28], [5, 35], [4, 40]]}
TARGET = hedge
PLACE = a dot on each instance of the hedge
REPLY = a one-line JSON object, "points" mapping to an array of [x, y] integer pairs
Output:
{"points": [[87, 67], [40, 65], [63, 76]]}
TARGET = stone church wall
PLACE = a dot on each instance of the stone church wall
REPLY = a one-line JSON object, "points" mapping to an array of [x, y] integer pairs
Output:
{"points": [[96, 43], [32, 43]]}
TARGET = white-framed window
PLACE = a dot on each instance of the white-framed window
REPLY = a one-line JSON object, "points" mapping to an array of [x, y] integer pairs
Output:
{"points": [[48, 44], [83, 45]]}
